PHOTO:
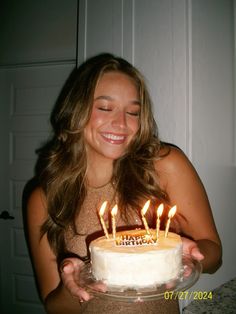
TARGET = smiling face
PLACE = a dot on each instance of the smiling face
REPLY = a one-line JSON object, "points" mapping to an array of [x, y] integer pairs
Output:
{"points": [[114, 119]]}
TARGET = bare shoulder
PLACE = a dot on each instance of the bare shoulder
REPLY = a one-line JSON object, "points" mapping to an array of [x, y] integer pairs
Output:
{"points": [[173, 163], [37, 195]]}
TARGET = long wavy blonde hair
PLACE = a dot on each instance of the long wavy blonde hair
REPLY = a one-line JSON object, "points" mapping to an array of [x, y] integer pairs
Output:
{"points": [[62, 160]]}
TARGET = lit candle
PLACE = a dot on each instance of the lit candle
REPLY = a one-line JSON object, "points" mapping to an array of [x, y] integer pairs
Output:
{"points": [[143, 212], [159, 213], [170, 215], [113, 214], [101, 213]]}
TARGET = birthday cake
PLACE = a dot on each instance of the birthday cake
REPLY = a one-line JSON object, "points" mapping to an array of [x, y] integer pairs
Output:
{"points": [[135, 259]]}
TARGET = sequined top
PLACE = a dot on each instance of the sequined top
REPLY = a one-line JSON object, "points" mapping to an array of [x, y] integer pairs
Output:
{"points": [[88, 228], [88, 222]]}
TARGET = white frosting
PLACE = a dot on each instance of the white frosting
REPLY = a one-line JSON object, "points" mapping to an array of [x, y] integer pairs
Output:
{"points": [[137, 266]]}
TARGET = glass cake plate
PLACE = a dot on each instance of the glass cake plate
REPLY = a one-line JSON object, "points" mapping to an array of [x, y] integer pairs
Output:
{"points": [[190, 273]]}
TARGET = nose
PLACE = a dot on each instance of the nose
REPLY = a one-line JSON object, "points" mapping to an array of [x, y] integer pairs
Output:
{"points": [[119, 119]]}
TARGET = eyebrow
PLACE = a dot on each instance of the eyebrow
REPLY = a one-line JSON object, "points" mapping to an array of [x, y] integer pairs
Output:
{"points": [[109, 98]]}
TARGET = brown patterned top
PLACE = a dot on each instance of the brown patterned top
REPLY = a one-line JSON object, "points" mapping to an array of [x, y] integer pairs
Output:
{"points": [[88, 222]]}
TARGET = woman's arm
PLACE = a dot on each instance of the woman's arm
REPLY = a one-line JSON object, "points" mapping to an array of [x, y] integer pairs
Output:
{"points": [[59, 296], [185, 189]]}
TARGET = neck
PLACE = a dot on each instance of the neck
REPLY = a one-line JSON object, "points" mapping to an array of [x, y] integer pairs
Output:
{"points": [[99, 175]]}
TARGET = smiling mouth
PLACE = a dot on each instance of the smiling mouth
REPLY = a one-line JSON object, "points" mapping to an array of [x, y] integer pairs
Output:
{"points": [[114, 139]]}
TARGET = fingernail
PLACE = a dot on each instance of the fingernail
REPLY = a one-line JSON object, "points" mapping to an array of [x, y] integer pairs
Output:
{"points": [[66, 268]]}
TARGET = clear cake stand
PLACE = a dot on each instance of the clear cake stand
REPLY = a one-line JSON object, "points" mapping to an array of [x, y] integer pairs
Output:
{"points": [[173, 289]]}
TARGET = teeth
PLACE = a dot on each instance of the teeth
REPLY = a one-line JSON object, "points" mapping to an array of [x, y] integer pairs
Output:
{"points": [[114, 137]]}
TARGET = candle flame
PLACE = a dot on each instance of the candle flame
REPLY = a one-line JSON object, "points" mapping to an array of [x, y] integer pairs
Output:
{"points": [[114, 210], [145, 208], [172, 212], [102, 209], [160, 210]]}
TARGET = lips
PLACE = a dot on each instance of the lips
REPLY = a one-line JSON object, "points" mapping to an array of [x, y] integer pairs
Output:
{"points": [[114, 138]]}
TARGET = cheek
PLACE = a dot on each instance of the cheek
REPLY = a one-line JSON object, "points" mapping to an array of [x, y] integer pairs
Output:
{"points": [[134, 125], [96, 120]]}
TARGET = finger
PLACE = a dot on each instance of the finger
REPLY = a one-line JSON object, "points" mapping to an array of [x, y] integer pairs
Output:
{"points": [[70, 269], [99, 286], [76, 263], [187, 271], [71, 285], [67, 268], [197, 254]]}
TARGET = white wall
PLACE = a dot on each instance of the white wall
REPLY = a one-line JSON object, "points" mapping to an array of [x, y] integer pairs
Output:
{"points": [[213, 120]]}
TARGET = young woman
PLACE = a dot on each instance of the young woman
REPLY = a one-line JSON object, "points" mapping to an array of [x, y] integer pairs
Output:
{"points": [[105, 146]]}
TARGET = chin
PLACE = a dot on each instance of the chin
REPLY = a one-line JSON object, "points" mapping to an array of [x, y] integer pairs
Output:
{"points": [[114, 155]]}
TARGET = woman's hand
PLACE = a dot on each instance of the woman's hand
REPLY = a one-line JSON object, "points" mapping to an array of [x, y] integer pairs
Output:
{"points": [[191, 248], [70, 270]]}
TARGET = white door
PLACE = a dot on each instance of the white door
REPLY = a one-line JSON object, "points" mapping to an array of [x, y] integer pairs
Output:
{"points": [[27, 96]]}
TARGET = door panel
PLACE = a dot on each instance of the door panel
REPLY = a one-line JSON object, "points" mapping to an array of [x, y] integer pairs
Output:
{"points": [[27, 96]]}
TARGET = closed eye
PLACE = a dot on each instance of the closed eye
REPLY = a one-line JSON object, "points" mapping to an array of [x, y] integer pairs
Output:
{"points": [[104, 109], [135, 114]]}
